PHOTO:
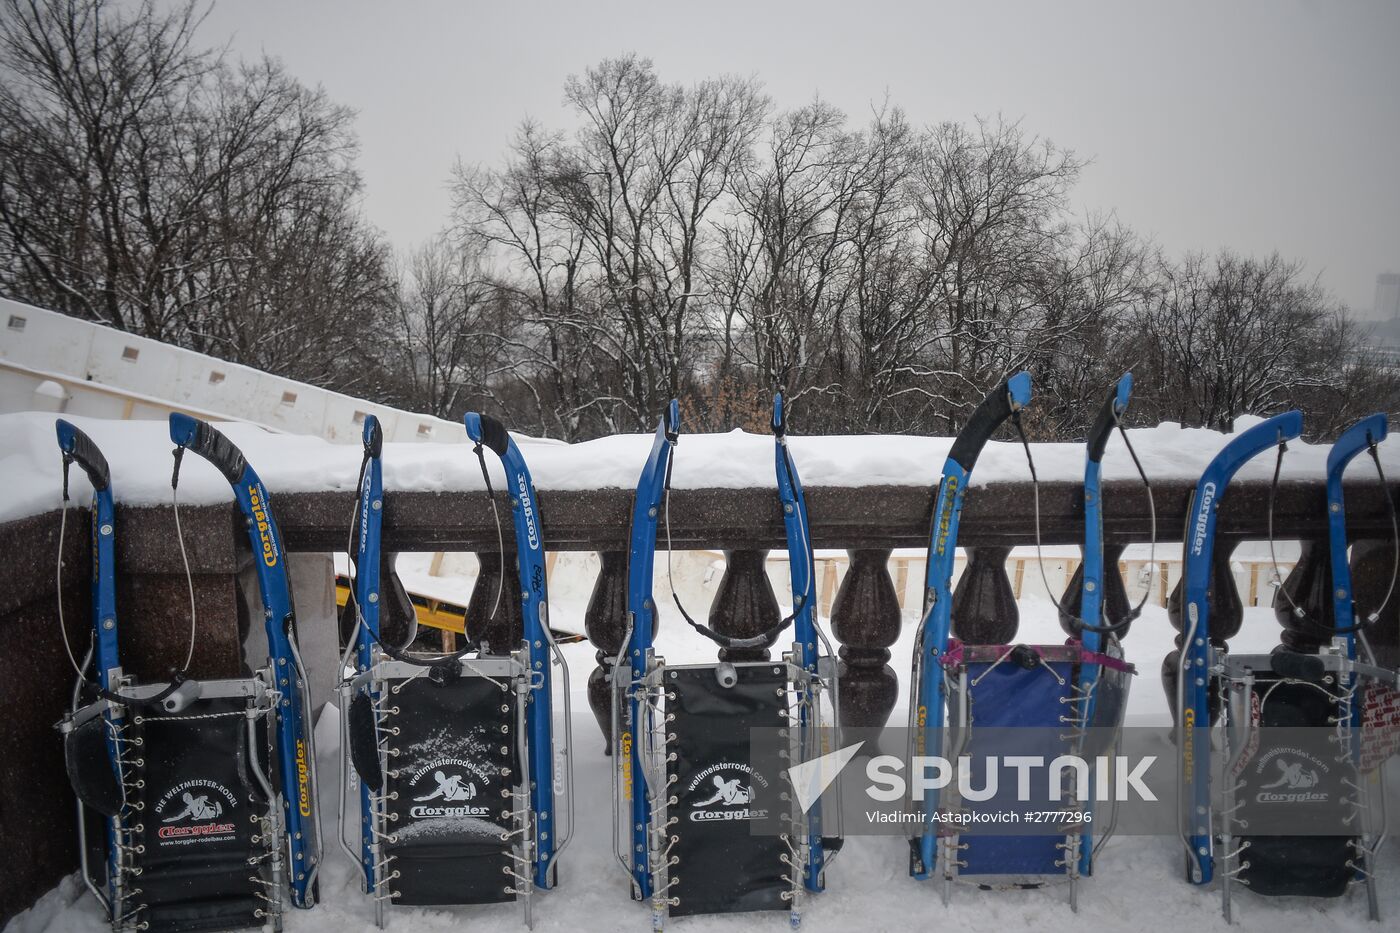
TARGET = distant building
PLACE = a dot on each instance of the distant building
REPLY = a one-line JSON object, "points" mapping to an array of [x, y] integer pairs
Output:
{"points": [[1388, 296]]}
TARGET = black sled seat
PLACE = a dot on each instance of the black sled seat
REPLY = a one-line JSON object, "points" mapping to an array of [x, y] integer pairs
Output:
{"points": [[1295, 813], [441, 757], [706, 818], [194, 841], [718, 865], [452, 758]]}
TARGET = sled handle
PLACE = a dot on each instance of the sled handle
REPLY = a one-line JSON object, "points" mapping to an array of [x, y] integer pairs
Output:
{"points": [[1113, 409], [204, 439], [373, 436], [779, 422], [671, 421], [488, 432], [79, 448], [1001, 403]]}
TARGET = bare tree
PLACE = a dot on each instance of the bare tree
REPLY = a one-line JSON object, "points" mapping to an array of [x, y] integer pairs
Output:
{"points": [[161, 189]]}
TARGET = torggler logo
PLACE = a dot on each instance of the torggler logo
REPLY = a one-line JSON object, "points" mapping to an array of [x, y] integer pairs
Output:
{"points": [[1198, 539], [527, 508]]}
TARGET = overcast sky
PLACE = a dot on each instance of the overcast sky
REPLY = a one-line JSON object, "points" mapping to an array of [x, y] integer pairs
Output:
{"points": [[1255, 125]]}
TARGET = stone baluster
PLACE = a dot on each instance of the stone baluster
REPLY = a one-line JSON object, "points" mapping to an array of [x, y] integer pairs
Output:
{"points": [[984, 604], [744, 604], [1114, 601], [1372, 564], [865, 618], [1309, 586], [503, 631], [1226, 617], [605, 622]]}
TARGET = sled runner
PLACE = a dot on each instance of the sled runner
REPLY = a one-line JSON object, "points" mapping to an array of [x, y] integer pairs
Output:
{"points": [[1043, 701], [1296, 814], [689, 788], [196, 797], [453, 756]]}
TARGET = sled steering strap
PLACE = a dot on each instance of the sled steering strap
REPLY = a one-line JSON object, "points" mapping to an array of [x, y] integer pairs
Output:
{"points": [[1077, 623], [1297, 611], [444, 665], [764, 638], [177, 676]]}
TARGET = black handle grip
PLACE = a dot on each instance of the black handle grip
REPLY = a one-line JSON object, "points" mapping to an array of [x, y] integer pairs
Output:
{"points": [[493, 435], [85, 453], [374, 438], [220, 451], [1103, 427], [989, 415]]}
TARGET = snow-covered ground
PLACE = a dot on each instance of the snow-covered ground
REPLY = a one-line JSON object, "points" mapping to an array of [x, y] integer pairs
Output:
{"points": [[139, 455], [1138, 882]]}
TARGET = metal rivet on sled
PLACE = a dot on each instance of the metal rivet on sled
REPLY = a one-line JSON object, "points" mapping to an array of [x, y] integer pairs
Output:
{"points": [[1334, 506], [787, 508], [1341, 593], [651, 512], [106, 529], [1089, 585], [376, 505], [108, 624], [374, 597]]}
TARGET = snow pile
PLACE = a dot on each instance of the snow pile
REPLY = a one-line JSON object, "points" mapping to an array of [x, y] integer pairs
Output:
{"points": [[139, 455]]}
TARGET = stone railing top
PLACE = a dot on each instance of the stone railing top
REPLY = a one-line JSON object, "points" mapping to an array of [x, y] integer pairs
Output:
{"points": [[139, 454]]}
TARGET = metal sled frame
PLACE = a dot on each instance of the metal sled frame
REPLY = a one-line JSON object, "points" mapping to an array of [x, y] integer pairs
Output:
{"points": [[295, 741], [120, 892], [1345, 682], [944, 677], [639, 676], [928, 699], [526, 671]]}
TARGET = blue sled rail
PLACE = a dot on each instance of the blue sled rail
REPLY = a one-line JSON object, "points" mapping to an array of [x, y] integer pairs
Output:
{"points": [[641, 630], [78, 448], [1193, 678], [802, 571], [927, 707], [295, 751], [1362, 436], [1091, 621], [489, 433]]}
